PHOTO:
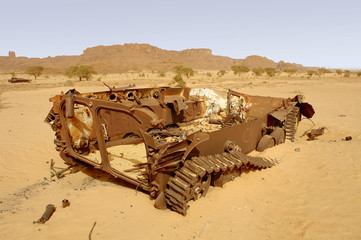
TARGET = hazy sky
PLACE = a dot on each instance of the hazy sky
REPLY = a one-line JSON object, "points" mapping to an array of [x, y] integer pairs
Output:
{"points": [[312, 33]]}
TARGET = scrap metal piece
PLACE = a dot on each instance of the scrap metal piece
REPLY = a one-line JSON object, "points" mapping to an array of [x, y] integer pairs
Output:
{"points": [[19, 80], [50, 209]]}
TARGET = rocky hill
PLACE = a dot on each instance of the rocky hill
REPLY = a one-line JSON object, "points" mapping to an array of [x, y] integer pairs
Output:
{"points": [[139, 57]]}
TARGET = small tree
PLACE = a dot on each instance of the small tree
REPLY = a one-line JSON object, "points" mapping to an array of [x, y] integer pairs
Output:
{"points": [[35, 71], [81, 71], [179, 80], [238, 69], [271, 72], [347, 73], [258, 71], [180, 70], [188, 72], [290, 71], [358, 73], [221, 73], [310, 73], [13, 74], [339, 71]]}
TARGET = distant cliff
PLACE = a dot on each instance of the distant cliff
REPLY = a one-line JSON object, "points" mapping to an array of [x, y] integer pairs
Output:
{"points": [[139, 57]]}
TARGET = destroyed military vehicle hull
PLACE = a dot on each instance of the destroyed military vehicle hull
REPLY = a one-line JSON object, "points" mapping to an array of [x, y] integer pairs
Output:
{"points": [[190, 138]]}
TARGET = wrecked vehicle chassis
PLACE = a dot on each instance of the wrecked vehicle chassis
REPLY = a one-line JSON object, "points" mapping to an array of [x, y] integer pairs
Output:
{"points": [[191, 142]]}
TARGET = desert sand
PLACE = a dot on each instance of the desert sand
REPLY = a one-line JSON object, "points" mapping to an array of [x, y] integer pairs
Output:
{"points": [[311, 194]]}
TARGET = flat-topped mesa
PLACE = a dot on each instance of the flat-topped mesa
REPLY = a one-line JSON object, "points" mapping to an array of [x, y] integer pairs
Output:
{"points": [[196, 51], [140, 57]]}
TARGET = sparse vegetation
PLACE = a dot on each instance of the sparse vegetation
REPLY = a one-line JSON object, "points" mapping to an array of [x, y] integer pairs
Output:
{"points": [[258, 71], [161, 74], [339, 71], [358, 73], [221, 73], [81, 71], [271, 72], [13, 74], [310, 73], [238, 69], [35, 71], [69, 83], [180, 70], [141, 75], [322, 71], [209, 74], [179, 80], [290, 71], [347, 73]]}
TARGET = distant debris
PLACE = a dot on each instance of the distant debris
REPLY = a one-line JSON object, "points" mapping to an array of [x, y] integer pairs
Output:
{"points": [[19, 80]]}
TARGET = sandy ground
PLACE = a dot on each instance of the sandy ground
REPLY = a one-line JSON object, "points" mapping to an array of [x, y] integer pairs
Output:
{"points": [[312, 194]]}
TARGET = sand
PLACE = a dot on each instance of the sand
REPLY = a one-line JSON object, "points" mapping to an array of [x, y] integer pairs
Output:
{"points": [[312, 194]]}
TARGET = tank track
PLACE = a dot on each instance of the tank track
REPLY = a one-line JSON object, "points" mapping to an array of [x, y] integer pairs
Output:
{"points": [[193, 179], [290, 124]]}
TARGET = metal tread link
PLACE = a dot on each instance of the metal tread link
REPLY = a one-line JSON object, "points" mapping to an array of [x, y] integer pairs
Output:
{"points": [[185, 185], [290, 124]]}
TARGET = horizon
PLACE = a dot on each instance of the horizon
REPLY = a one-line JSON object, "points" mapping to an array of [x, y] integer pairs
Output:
{"points": [[315, 34]]}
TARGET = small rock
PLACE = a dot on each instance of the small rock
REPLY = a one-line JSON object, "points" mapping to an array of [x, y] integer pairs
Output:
{"points": [[65, 203], [348, 138]]}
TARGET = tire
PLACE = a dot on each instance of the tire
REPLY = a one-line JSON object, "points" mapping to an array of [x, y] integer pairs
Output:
{"points": [[267, 141], [279, 135]]}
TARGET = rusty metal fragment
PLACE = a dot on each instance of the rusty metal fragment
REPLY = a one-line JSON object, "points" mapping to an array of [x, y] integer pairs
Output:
{"points": [[315, 133], [50, 209], [191, 138]]}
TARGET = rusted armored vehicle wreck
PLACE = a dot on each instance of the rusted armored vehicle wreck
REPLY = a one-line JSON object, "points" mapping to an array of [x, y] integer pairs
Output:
{"points": [[190, 138]]}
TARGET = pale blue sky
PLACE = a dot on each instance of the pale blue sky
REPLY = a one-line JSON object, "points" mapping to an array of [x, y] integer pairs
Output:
{"points": [[312, 33]]}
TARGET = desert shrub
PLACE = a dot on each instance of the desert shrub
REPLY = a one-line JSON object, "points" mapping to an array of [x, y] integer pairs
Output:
{"points": [[347, 73], [290, 71], [221, 73], [13, 74], [99, 79], [271, 72], [310, 73], [141, 75], [69, 83], [358, 73], [35, 71], [179, 80], [322, 71], [238, 69], [81, 71], [258, 71], [209, 74], [161, 74], [339, 71]]}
